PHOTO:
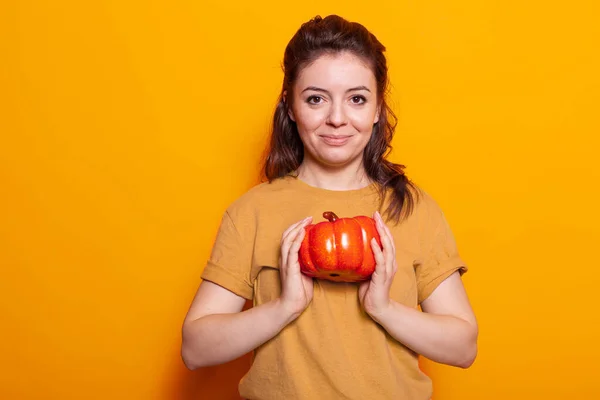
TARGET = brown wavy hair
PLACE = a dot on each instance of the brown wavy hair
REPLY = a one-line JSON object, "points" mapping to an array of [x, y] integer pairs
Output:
{"points": [[328, 36]]}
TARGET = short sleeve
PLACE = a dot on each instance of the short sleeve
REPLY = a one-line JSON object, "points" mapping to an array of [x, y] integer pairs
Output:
{"points": [[439, 257], [231, 257]]}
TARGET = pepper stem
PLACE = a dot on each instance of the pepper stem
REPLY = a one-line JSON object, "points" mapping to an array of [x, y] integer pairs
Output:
{"points": [[330, 216]]}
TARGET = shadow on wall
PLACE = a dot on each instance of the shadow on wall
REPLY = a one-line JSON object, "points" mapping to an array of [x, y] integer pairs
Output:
{"points": [[213, 383], [210, 383]]}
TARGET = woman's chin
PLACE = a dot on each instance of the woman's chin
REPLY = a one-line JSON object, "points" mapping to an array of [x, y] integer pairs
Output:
{"points": [[337, 160]]}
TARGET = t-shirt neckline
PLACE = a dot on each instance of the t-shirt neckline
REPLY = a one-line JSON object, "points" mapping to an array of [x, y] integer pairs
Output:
{"points": [[371, 188]]}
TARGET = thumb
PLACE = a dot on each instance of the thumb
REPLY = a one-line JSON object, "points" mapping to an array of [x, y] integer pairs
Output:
{"points": [[362, 289]]}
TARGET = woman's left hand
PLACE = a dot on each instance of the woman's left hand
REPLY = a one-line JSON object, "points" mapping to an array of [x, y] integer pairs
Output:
{"points": [[374, 294]]}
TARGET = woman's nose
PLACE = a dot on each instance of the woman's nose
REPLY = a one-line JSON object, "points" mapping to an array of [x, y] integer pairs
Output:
{"points": [[337, 115]]}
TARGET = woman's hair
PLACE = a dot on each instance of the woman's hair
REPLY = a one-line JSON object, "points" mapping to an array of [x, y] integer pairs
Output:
{"points": [[329, 36]]}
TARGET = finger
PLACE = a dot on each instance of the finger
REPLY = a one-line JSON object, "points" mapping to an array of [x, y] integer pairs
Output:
{"points": [[387, 241], [285, 236], [283, 245], [379, 225], [380, 269], [289, 237], [293, 265], [388, 254], [289, 229], [282, 273], [301, 225], [292, 234], [387, 231]]}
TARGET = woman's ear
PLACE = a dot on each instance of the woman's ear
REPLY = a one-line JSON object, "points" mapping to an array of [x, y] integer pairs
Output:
{"points": [[376, 120], [287, 106]]}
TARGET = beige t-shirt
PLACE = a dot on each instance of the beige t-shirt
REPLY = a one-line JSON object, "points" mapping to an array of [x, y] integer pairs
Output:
{"points": [[334, 350]]}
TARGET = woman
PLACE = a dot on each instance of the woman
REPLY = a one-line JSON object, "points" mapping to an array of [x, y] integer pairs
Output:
{"points": [[316, 339]]}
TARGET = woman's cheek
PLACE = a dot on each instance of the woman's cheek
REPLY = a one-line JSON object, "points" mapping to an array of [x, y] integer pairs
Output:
{"points": [[363, 120], [311, 118]]}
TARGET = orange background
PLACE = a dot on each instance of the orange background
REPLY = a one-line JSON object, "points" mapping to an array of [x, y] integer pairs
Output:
{"points": [[126, 128]]}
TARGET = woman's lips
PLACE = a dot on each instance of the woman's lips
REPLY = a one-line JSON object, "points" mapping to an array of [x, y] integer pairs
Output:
{"points": [[337, 140]]}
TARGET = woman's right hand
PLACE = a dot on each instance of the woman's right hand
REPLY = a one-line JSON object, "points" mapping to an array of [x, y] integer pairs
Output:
{"points": [[296, 288]]}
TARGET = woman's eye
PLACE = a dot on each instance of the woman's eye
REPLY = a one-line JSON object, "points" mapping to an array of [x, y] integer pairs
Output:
{"points": [[314, 100], [358, 99]]}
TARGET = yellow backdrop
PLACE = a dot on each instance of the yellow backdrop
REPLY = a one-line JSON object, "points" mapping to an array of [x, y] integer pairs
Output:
{"points": [[126, 128]]}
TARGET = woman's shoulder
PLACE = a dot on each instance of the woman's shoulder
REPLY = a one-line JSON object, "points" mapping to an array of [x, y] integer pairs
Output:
{"points": [[427, 207], [263, 195], [420, 204]]}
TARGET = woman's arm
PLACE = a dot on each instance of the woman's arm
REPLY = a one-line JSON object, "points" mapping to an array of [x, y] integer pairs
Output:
{"points": [[215, 331], [446, 332]]}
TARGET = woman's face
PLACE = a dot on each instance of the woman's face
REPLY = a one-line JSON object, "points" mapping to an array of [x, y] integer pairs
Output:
{"points": [[335, 106]]}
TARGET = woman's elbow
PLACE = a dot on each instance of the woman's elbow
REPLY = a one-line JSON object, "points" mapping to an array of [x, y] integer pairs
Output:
{"points": [[470, 353], [189, 351], [469, 357], [187, 359], [189, 364]]}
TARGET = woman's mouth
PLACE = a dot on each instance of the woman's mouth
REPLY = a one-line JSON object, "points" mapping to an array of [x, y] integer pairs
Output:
{"points": [[335, 140]]}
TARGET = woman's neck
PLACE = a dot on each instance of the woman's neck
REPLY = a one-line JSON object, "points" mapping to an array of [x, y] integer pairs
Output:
{"points": [[346, 178]]}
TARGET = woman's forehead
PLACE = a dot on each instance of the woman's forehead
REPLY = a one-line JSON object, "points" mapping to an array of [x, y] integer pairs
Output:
{"points": [[337, 72]]}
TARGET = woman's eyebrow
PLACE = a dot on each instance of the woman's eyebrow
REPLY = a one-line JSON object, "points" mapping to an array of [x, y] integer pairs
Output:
{"points": [[318, 89]]}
